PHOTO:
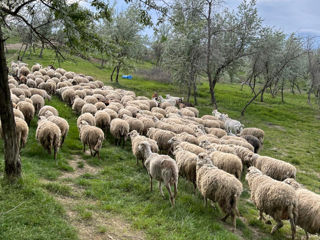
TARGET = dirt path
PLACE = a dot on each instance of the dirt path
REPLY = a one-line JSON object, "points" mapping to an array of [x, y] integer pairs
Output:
{"points": [[84, 213]]}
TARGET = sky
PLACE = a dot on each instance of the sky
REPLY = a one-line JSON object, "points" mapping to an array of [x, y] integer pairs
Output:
{"points": [[299, 16]]}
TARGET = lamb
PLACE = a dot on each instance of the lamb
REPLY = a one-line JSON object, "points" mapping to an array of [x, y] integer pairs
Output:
{"points": [[62, 124], [102, 120], [187, 165], [88, 117], [162, 138], [227, 162], [274, 198], [161, 167], [38, 102], [274, 168], [78, 104], [308, 208], [218, 186], [258, 133], [45, 108], [119, 129], [49, 136], [134, 124], [136, 139], [27, 109], [255, 142], [89, 108], [91, 136]]}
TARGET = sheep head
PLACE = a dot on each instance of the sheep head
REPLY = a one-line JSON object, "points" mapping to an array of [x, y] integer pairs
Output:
{"points": [[133, 134]]}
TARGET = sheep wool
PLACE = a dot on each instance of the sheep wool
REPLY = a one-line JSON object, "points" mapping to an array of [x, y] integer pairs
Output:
{"points": [[308, 208], [27, 110], [274, 198], [119, 129]]}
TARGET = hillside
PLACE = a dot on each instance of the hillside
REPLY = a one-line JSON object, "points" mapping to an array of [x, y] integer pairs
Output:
{"points": [[110, 199]]}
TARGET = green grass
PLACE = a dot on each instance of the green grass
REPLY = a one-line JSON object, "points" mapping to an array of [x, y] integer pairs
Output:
{"points": [[292, 131]]}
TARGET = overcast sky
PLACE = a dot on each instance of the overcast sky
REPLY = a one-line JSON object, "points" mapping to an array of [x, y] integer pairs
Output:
{"points": [[300, 16]]}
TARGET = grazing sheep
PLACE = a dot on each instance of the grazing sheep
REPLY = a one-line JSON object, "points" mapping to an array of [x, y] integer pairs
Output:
{"points": [[175, 143], [218, 186], [134, 124], [27, 109], [187, 165], [46, 108], [38, 102], [217, 132], [49, 136], [22, 131], [18, 113], [258, 133], [62, 124], [122, 112], [244, 154], [162, 138], [91, 136], [218, 147], [100, 106], [186, 137], [187, 112], [24, 71], [227, 162], [238, 143], [147, 123], [255, 142], [308, 208], [78, 104], [274, 168], [36, 67], [211, 124], [103, 120], [113, 114], [89, 108], [231, 125], [161, 167], [274, 198], [209, 117], [88, 117], [68, 96], [119, 129], [136, 139]]}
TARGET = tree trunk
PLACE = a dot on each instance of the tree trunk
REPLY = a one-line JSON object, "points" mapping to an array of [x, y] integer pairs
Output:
{"points": [[252, 99], [262, 93], [189, 93], [24, 52], [117, 76], [11, 151], [282, 87], [111, 77], [20, 52], [41, 51], [195, 92]]}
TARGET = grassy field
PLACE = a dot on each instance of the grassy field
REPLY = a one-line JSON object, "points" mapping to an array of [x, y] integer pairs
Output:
{"points": [[31, 209]]}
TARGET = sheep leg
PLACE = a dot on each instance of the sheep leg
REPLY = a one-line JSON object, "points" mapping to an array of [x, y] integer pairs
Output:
{"points": [[175, 188], [150, 183], [225, 217], [293, 227], [160, 188], [170, 194], [98, 153], [84, 147], [194, 188], [277, 226], [205, 201]]}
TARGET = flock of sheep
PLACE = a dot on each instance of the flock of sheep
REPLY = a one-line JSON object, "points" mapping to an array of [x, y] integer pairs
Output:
{"points": [[209, 151]]}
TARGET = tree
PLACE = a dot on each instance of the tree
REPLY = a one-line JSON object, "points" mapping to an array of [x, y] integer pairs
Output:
{"points": [[158, 45], [228, 37], [74, 19], [122, 39], [273, 54], [183, 51]]}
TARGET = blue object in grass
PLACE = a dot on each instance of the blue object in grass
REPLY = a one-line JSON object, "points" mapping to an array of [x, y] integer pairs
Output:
{"points": [[127, 76]]}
